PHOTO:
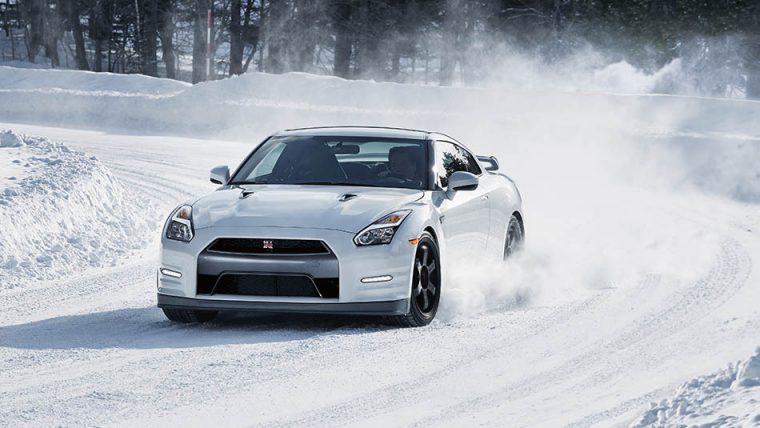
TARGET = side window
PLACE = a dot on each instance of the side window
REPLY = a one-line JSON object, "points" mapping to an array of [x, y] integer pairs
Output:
{"points": [[472, 163], [448, 160]]}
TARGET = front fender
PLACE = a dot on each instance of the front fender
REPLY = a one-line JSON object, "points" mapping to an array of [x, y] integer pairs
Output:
{"points": [[425, 217]]}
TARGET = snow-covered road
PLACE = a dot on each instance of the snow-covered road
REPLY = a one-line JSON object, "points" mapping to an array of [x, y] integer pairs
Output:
{"points": [[93, 350], [641, 271]]}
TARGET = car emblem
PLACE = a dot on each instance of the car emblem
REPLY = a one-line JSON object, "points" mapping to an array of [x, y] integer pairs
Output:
{"points": [[268, 245]]}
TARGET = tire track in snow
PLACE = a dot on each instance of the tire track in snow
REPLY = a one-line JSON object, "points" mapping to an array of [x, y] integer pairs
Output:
{"points": [[77, 294], [380, 399], [731, 270], [721, 283], [200, 370]]}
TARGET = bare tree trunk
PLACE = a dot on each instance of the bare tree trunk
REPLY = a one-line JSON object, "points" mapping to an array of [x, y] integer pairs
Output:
{"points": [[100, 31], [368, 57], [199, 40], [236, 38], [464, 38], [263, 30], [396, 61], [148, 37], [250, 36], [98, 60], [278, 40], [7, 27], [753, 81], [248, 59], [341, 21], [413, 76], [306, 45], [166, 34], [138, 30], [448, 54], [752, 61], [72, 12], [51, 34], [32, 13], [51, 51], [753, 85]]}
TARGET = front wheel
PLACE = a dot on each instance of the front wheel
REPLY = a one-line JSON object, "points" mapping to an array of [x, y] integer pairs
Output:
{"points": [[426, 285]]}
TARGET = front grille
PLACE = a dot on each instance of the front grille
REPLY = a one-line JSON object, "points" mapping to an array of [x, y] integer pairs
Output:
{"points": [[251, 284], [268, 246]]}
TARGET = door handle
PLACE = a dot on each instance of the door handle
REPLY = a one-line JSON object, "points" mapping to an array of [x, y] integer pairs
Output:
{"points": [[484, 198]]}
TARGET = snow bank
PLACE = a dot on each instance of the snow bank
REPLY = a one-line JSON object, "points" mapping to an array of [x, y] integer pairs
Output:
{"points": [[84, 99], [73, 81], [730, 397], [66, 213]]}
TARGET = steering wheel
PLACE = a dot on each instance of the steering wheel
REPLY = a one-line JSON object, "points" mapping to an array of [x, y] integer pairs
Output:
{"points": [[397, 179]]}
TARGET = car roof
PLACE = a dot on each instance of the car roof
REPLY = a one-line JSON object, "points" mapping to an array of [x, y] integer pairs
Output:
{"points": [[363, 131]]}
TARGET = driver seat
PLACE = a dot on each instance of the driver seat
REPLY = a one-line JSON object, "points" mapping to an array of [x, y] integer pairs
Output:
{"points": [[400, 154], [310, 160]]}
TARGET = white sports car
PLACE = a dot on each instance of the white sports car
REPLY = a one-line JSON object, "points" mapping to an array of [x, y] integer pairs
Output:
{"points": [[352, 220]]}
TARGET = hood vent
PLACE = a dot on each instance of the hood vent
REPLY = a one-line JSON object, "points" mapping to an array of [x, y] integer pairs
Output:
{"points": [[347, 197]]}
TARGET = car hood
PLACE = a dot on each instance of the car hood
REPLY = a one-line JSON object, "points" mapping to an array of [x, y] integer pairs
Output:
{"points": [[345, 208]]}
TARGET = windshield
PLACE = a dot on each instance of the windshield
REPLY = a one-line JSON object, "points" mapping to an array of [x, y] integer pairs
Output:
{"points": [[353, 161]]}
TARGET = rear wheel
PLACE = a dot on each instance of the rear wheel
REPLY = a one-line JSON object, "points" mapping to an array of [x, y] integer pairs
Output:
{"points": [[188, 315], [515, 237], [426, 285]]}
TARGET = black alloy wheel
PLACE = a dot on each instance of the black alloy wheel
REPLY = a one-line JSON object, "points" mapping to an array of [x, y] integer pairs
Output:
{"points": [[426, 285]]}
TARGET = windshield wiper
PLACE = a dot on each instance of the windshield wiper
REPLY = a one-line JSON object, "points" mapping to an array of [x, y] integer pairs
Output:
{"points": [[324, 183], [320, 183]]}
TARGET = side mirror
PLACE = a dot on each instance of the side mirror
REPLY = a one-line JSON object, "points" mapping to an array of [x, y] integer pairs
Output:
{"points": [[220, 175], [490, 162], [462, 180]]}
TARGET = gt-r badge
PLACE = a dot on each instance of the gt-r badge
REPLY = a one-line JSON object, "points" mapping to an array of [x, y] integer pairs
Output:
{"points": [[268, 245]]}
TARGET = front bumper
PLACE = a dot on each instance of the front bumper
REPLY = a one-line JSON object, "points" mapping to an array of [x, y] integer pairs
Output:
{"points": [[393, 307], [353, 264]]}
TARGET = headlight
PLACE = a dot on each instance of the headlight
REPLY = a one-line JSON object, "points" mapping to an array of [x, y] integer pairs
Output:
{"points": [[180, 226], [381, 231]]}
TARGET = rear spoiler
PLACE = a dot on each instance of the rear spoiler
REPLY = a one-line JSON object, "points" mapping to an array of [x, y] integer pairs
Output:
{"points": [[491, 163]]}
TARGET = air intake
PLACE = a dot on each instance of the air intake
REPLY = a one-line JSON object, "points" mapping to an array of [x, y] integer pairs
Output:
{"points": [[267, 246]]}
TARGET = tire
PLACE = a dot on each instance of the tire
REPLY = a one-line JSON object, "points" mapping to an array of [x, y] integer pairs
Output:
{"points": [[187, 315], [426, 285], [515, 238]]}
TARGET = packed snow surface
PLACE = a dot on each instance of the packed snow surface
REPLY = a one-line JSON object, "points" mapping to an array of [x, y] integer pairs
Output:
{"points": [[642, 216]]}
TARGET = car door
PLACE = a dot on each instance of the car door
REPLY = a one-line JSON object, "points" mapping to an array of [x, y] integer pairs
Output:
{"points": [[465, 214]]}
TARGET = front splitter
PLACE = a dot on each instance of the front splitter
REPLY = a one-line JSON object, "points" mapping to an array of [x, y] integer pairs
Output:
{"points": [[393, 307]]}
